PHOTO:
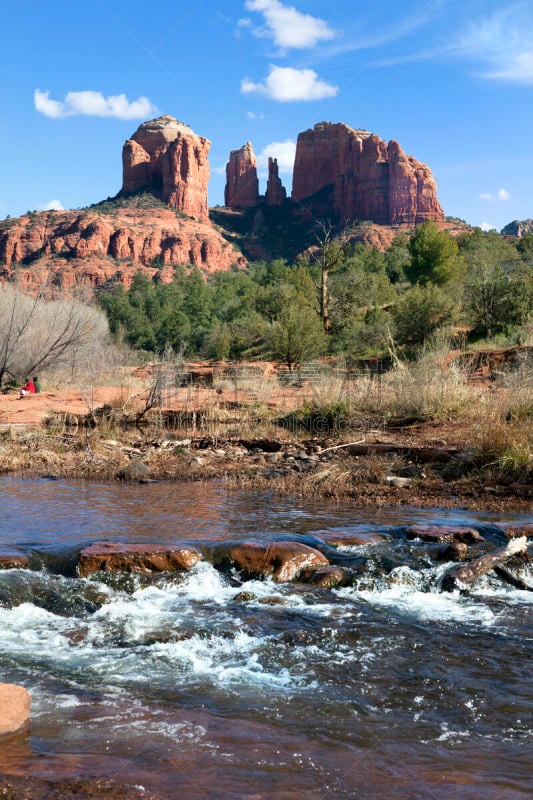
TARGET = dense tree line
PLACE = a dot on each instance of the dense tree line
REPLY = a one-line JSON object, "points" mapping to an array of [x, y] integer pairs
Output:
{"points": [[341, 298]]}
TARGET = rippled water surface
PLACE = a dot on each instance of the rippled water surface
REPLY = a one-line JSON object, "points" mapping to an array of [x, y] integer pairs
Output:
{"points": [[387, 689]]}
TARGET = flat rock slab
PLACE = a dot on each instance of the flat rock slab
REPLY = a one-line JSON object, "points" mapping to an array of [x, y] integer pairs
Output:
{"points": [[111, 557], [443, 533], [283, 561], [15, 704]]}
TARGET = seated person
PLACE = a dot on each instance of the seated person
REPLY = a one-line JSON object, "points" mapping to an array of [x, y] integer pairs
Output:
{"points": [[37, 384], [28, 388]]}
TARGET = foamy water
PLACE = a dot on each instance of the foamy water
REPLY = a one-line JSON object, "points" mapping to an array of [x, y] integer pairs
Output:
{"points": [[385, 689]]}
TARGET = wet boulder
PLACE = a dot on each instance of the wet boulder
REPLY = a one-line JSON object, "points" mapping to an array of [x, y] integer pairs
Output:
{"points": [[443, 533], [14, 708], [13, 560], [283, 561], [117, 557]]}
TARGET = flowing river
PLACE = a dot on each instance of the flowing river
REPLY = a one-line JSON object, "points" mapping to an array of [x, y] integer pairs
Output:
{"points": [[388, 689]]}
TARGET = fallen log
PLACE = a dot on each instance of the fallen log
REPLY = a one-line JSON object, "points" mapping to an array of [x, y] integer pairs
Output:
{"points": [[464, 574], [425, 455]]}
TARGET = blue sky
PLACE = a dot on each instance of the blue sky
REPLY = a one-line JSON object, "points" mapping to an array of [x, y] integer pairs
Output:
{"points": [[451, 80]]}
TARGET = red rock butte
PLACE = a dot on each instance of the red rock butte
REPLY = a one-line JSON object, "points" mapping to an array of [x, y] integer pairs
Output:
{"points": [[343, 173], [168, 159], [363, 177]]}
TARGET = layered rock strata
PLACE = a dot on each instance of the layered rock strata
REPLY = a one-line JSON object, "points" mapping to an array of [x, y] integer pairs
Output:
{"points": [[167, 158], [91, 247], [362, 177], [242, 184]]}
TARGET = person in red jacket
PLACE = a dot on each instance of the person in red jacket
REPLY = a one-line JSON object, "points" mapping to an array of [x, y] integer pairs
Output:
{"points": [[28, 388]]}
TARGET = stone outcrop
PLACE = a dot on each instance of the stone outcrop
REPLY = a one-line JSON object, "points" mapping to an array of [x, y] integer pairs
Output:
{"points": [[168, 159], [15, 704], [358, 176], [518, 228], [276, 193], [242, 185], [110, 557]]}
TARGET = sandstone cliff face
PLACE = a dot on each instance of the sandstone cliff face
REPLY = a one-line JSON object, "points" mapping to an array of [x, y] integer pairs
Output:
{"points": [[363, 177], [276, 193], [242, 185], [92, 247], [171, 161]]}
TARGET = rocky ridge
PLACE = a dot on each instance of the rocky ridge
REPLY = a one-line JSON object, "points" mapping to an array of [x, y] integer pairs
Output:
{"points": [[90, 247]]}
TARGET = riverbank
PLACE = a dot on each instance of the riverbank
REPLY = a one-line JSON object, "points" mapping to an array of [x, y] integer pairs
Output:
{"points": [[436, 433], [425, 465]]}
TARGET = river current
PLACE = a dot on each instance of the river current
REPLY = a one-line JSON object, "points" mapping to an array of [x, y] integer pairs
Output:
{"points": [[388, 689]]}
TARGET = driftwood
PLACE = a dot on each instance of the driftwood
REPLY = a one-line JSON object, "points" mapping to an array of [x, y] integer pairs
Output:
{"points": [[508, 577], [457, 577], [423, 454]]}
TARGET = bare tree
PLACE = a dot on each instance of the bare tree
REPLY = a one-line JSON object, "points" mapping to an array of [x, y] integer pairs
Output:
{"points": [[36, 334]]}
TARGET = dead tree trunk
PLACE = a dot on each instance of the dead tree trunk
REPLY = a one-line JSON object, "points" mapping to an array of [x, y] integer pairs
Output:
{"points": [[466, 574]]}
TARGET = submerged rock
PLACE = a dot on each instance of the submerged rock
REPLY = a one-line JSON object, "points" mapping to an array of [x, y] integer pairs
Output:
{"points": [[15, 704], [22, 787]]}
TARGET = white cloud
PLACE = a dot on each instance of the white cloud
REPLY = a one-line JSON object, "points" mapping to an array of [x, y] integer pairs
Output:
{"points": [[286, 84], [53, 205], [487, 226], [253, 115], [94, 104], [287, 26], [283, 151], [503, 194]]}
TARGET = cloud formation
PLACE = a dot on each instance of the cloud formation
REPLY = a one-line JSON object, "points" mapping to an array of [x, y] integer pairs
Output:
{"points": [[504, 42], [286, 84], [94, 104], [502, 194], [286, 26], [487, 226], [283, 151], [53, 205]]}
